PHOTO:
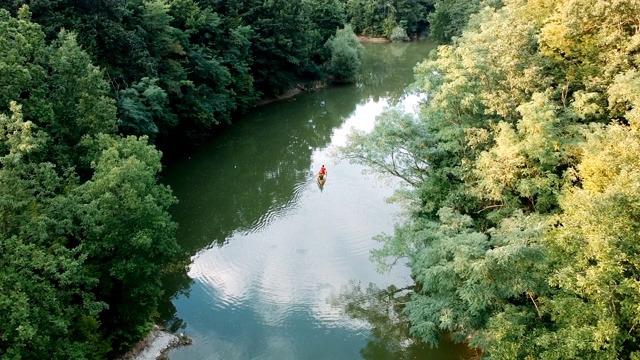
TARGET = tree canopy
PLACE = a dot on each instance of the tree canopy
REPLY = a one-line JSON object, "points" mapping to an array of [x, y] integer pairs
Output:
{"points": [[380, 17], [85, 229], [521, 182], [179, 68]]}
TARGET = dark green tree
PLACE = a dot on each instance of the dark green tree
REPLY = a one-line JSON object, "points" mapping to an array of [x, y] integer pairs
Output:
{"points": [[449, 18], [47, 301], [367, 16], [380, 17], [125, 232], [83, 220], [346, 55], [142, 108], [283, 42], [327, 16]]}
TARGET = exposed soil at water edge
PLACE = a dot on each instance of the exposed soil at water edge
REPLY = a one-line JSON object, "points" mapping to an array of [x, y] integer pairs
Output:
{"points": [[157, 343], [372, 39]]}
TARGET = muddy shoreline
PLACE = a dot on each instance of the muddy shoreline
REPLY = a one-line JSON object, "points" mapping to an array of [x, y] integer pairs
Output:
{"points": [[373, 39]]}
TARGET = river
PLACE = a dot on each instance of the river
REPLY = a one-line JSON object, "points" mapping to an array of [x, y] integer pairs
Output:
{"points": [[268, 248]]}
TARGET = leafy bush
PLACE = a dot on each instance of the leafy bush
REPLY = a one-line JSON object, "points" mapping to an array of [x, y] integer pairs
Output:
{"points": [[346, 55], [399, 34]]}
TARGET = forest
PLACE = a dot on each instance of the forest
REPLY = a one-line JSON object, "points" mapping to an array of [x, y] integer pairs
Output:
{"points": [[521, 191], [178, 68], [521, 196]]}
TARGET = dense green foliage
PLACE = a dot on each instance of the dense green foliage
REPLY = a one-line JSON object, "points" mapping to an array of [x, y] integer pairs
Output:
{"points": [[522, 183], [346, 55], [179, 67], [85, 230], [449, 18], [380, 17], [441, 20]]}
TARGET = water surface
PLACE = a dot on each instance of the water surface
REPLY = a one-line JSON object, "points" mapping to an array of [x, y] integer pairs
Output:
{"points": [[268, 247]]}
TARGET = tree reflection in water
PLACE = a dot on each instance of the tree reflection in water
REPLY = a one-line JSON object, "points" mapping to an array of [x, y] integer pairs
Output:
{"points": [[390, 334]]}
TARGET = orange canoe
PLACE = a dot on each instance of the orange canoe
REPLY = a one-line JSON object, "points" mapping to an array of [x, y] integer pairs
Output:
{"points": [[322, 178]]}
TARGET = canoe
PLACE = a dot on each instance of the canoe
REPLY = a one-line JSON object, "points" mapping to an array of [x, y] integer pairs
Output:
{"points": [[322, 179]]}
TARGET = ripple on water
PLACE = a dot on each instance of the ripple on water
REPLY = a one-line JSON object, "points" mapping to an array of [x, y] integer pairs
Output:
{"points": [[217, 285], [329, 232], [277, 211], [280, 275]]}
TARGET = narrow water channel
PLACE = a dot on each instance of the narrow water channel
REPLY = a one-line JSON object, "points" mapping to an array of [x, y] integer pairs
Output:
{"points": [[268, 247]]}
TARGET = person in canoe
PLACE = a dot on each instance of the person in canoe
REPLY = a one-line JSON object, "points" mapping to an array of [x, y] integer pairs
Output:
{"points": [[322, 175]]}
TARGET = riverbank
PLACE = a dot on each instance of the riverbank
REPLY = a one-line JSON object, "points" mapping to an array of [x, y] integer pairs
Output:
{"points": [[372, 39], [155, 346], [318, 84], [291, 93]]}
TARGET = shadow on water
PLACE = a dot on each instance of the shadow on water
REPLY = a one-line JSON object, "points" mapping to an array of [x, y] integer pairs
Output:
{"points": [[253, 167]]}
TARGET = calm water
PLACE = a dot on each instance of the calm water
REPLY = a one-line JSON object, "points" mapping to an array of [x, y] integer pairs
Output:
{"points": [[268, 248]]}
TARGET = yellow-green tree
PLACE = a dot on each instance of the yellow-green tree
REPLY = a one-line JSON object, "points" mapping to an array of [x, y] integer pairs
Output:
{"points": [[522, 221]]}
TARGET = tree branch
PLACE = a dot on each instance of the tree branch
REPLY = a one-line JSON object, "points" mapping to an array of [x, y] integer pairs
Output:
{"points": [[530, 293], [489, 207]]}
